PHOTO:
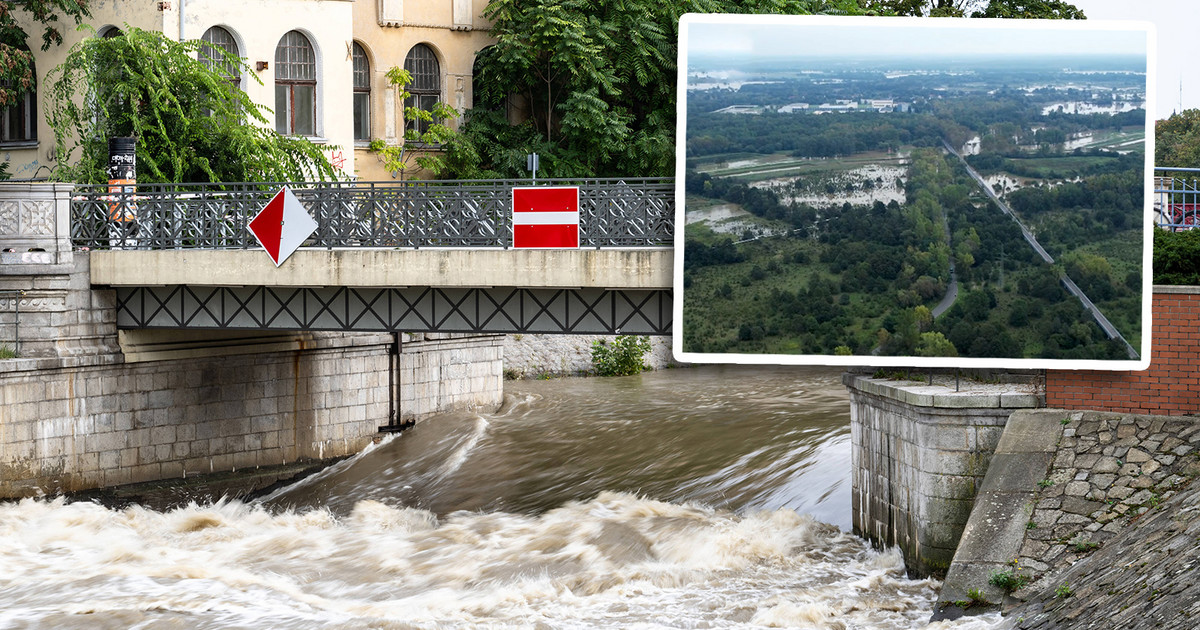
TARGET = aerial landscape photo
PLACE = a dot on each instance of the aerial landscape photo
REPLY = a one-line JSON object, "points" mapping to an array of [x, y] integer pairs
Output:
{"points": [[862, 191]]}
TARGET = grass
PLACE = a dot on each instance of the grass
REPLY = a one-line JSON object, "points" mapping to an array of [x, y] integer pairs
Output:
{"points": [[1008, 580], [7, 353]]}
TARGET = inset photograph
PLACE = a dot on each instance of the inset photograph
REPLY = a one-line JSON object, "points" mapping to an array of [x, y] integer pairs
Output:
{"points": [[913, 192]]}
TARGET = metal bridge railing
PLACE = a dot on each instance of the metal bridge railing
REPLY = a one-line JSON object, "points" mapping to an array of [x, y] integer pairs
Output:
{"points": [[628, 212], [1176, 198]]}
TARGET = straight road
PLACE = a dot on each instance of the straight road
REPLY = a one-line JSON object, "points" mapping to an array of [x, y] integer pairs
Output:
{"points": [[1067, 283]]}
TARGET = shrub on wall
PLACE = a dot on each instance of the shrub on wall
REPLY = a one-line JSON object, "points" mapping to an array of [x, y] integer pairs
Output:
{"points": [[1177, 257], [622, 357]]}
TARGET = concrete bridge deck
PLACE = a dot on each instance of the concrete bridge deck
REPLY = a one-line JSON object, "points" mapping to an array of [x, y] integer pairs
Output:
{"points": [[617, 268]]}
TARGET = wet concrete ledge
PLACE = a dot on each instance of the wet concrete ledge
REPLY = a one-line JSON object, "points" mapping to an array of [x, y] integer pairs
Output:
{"points": [[168, 494]]}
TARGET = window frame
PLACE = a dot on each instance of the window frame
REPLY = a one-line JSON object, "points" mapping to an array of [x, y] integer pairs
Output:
{"points": [[26, 108], [231, 71], [360, 71], [426, 87], [293, 70]]}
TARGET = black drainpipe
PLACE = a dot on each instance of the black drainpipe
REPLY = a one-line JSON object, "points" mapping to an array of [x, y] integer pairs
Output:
{"points": [[393, 388]]}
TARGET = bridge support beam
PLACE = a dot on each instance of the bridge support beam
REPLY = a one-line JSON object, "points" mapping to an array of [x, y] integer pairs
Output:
{"points": [[412, 309]]}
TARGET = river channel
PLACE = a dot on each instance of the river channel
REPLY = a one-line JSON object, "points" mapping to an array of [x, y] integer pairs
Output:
{"points": [[712, 497]]}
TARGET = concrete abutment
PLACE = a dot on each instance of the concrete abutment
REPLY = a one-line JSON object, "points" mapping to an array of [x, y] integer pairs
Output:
{"points": [[919, 454], [87, 406]]}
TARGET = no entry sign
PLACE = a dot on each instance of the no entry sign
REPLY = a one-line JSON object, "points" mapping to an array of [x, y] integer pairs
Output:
{"points": [[282, 226], [546, 216]]}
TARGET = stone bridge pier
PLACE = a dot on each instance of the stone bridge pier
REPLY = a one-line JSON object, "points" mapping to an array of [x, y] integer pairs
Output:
{"points": [[85, 405], [919, 454]]}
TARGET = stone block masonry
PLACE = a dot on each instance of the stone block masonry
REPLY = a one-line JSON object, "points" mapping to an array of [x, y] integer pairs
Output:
{"points": [[443, 372], [79, 426], [1171, 386], [919, 452], [88, 426]]}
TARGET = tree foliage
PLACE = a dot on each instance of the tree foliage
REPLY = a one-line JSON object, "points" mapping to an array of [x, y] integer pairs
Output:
{"points": [[1046, 9], [595, 79], [621, 357], [1177, 139], [16, 61], [1177, 257], [429, 130], [192, 123]]}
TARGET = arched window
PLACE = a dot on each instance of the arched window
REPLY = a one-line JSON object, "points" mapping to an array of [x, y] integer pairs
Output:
{"points": [[18, 122], [426, 86], [295, 85], [217, 37], [362, 93], [481, 96], [109, 32]]}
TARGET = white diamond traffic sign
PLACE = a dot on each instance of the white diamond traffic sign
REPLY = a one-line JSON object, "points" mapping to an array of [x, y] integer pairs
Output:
{"points": [[282, 226]]}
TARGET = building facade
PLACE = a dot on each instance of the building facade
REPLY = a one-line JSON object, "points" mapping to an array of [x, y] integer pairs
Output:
{"points": [[319, 65]]}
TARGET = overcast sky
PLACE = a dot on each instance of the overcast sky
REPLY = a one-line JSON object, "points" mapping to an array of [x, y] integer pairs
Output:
{"points": [[1178, 25], [779, 35]]}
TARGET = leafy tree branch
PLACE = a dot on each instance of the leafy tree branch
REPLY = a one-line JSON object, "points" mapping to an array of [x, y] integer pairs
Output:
{"points": [[191, 120], [427, 130]]}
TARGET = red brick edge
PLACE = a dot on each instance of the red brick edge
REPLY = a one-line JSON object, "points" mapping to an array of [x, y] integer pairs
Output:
{"points": [[1171, 386]]}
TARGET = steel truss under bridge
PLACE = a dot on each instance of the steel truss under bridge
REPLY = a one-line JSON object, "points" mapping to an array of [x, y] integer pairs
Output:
{"points": [[410, 309]]}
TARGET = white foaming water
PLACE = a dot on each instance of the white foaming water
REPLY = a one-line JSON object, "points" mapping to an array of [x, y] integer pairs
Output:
{"points": [[537, 518], [616, 561]]}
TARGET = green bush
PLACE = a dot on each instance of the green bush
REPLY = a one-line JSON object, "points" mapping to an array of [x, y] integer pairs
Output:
{"points": [[1176, 257], [622, 357]]}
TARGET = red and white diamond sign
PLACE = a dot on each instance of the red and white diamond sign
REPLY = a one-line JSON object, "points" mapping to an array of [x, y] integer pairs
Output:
{"points": [[282, 226], [546, 216]]}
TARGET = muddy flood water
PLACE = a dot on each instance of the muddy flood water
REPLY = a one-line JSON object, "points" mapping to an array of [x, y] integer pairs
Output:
{"points": [[713, 497]]}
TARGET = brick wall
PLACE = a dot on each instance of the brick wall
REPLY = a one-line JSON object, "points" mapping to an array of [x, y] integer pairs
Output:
{"points": [[1171, 386]]}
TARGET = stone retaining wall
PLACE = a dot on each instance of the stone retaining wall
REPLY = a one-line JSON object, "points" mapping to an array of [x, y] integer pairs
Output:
{"points": [[83, 426], [447, 371], [1145, 577], [77, 425], [532, 356], [1108, 470], [1062, 485]]}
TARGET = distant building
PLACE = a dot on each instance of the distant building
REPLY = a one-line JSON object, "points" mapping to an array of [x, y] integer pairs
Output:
{"points": [[739, 109], [792, 108]]}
